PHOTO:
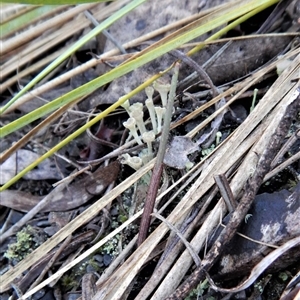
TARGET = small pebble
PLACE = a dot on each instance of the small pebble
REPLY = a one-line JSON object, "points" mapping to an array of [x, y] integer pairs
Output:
{"points": [[107, 259]]}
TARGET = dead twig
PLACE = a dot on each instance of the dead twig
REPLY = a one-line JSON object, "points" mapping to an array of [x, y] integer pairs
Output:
{"points": [[51, 261], [158, 167], [193, 254], [251, 188], [186, 59]]}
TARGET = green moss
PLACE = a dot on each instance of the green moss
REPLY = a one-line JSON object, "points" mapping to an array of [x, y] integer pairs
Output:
{"points": [[122, 218], [68, 282], [72, 279], [94, 264], [198, 291]]}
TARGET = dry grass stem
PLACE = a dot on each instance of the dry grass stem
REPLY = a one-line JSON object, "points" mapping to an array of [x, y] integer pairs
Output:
{"points": [[193, 218], [226, 156]]}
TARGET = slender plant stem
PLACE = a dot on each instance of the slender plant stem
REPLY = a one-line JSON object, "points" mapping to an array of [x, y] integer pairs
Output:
{"points": [[158, 167]]}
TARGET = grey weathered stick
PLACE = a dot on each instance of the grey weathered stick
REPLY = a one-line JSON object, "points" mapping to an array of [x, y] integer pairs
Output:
{"points": [[251, 188], [226, 192], [158, 167], [186, 59]]}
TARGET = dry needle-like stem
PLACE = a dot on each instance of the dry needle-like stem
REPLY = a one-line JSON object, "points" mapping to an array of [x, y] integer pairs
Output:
{"points": [[251, 187], [158, 167]]}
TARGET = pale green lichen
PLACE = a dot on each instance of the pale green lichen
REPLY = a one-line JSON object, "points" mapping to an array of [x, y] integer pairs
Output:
{"points": [[283, 276], [198, 291], [259, 286], [206, 152], [111, 247], [28, 239], [137, 126], [218, 137], [69, 282]]}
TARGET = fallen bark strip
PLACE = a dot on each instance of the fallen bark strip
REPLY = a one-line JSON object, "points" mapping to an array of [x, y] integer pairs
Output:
{"points": [[251, 188]]}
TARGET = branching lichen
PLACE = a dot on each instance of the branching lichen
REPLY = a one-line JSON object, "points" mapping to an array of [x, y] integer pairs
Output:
{"points": [[111, 247], [137, 126], [28, 239]]}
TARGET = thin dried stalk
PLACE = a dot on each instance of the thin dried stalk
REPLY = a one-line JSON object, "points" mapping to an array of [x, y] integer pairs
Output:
{"points": [[274, 135], [11, 11], [55, 35], [158, 167], [184, 262], [222, 162], [93, 62], [87, 215], [17, 41]]}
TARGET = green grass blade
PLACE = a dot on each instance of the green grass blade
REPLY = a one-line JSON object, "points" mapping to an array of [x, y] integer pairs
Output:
{"points": [[81, 130], [121, 70], [231, 26], [120, 13], [53, 2], [22, 20], [124, 69]]}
